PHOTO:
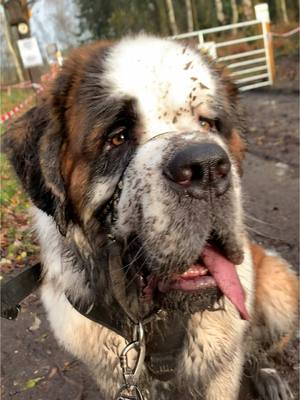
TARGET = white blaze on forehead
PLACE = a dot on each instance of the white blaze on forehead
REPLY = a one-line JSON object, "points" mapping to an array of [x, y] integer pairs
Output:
{"points": [[163, 76]]}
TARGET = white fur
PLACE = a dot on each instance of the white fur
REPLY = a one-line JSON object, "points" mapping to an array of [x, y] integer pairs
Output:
{"points": [[154, 71]]}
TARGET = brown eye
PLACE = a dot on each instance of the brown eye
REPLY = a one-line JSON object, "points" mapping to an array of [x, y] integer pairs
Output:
{"points": [[118, 139], [206, 123]]}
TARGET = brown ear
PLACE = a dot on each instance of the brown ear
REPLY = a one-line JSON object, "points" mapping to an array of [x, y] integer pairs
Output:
{"points": [[237, 142], [33, 145]]}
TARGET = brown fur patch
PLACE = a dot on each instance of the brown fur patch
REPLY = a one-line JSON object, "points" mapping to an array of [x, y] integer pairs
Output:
{"points": [[276, 295], [78, 184], [237, 147]]}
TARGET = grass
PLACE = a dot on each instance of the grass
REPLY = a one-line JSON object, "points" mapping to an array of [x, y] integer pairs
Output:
{"points": [[11, 192], [18, 247], [13, 97]]}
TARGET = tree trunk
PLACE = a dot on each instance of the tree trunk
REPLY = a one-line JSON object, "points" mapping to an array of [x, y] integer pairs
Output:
{"points": [[162, 18], [284, 11], [235, 13], [189, 15], [171, 14], [247, 9], [220, 12], [11, 48], [195, 15]]}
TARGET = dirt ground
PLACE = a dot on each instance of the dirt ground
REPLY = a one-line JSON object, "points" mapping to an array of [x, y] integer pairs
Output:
{"points": [[35, 367]]}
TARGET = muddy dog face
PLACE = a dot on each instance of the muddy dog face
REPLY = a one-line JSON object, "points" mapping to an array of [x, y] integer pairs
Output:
{"points": [[159, 121]]}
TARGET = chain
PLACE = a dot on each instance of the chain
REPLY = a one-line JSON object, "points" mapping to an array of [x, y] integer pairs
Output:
{"points": [[130, 390]]}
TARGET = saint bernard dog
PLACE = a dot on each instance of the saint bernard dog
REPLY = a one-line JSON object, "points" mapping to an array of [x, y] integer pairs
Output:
{"points": [[133, 162]]}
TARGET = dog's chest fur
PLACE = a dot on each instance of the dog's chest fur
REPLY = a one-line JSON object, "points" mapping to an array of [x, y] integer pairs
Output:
{"points": [[214, 339]]}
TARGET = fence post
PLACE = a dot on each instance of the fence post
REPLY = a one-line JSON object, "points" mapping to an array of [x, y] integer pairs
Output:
{"points": [[11, 49], [263, 15]]}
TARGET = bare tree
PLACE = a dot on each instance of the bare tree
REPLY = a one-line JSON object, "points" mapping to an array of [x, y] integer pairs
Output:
{"points": [[235, 13], [284, 11], [247, 9], [10, 46], [171, 15], [162, 17], [189, 15], [220, 12]]}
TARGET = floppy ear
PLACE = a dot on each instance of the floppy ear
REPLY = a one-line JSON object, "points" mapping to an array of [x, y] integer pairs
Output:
{"points": [[33, 145], [237, 142]]}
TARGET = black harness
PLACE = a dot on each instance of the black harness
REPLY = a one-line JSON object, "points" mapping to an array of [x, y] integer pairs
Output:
{"points": [[16, 289]]}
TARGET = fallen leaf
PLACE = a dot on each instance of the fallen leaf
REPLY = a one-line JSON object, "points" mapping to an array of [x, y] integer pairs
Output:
{"points": [[31, 383], [42, 338], [53, 372], [36, 324]]}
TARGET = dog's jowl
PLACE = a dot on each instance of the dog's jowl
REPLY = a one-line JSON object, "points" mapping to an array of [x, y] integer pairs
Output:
{"points": [[133, 162]]}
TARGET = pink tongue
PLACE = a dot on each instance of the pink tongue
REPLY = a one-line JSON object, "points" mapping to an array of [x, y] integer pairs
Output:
{"points": [[225, 275]]}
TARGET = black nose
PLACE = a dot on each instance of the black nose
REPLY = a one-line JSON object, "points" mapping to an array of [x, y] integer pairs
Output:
{"points": [[198, 168]]}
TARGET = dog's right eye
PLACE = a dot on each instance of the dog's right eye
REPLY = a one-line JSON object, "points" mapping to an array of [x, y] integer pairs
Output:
{"points": [[118, 138]]}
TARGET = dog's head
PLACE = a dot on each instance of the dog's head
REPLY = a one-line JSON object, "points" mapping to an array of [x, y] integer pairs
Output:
{"points": [[158, 124]]}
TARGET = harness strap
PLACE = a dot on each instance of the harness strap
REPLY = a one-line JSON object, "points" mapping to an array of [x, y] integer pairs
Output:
{"points": [[164, 345], [164, 338], [16, 289], [101, 315]]}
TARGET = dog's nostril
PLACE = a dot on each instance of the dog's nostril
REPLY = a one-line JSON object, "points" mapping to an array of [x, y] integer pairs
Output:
{"points": [[222, 168], [184, 176]]}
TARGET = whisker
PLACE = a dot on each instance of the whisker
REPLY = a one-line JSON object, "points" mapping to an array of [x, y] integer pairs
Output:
{"points": [[136, 257], [259, 220], [137, 272], [267, 236], [250, 228]]}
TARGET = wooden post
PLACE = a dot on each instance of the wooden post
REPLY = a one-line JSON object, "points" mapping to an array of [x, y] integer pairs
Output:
{"points": [[263, 15], [270, 50]]}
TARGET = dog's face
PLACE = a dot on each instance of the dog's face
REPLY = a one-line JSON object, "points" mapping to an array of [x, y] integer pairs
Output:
{"points": [[161, 120]]}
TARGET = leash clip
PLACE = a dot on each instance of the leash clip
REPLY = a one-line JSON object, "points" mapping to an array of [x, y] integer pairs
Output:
{"points": [[129, 390]]}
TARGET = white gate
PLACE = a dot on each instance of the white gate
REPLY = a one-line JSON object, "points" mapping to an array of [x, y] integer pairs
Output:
{"points": [[250, 69]]}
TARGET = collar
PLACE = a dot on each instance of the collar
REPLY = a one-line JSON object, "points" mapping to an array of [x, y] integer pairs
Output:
{"points": [[165, 335], [16, 289], [164, 331]]}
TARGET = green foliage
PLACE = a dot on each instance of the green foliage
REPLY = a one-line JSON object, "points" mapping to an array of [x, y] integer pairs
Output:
{"points": [[110, 19], [17, 245], [13, 97]]}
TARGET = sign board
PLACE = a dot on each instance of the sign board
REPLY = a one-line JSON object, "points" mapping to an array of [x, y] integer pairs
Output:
{"points": [[262, 12], [30, 52]]}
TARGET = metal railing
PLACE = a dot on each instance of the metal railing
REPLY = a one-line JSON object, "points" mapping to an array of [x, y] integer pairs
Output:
{"points": [[250, 69]]}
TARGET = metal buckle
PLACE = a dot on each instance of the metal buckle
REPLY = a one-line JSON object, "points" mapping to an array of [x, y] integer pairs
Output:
{"points": [[129, 390], [132, 393]]}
